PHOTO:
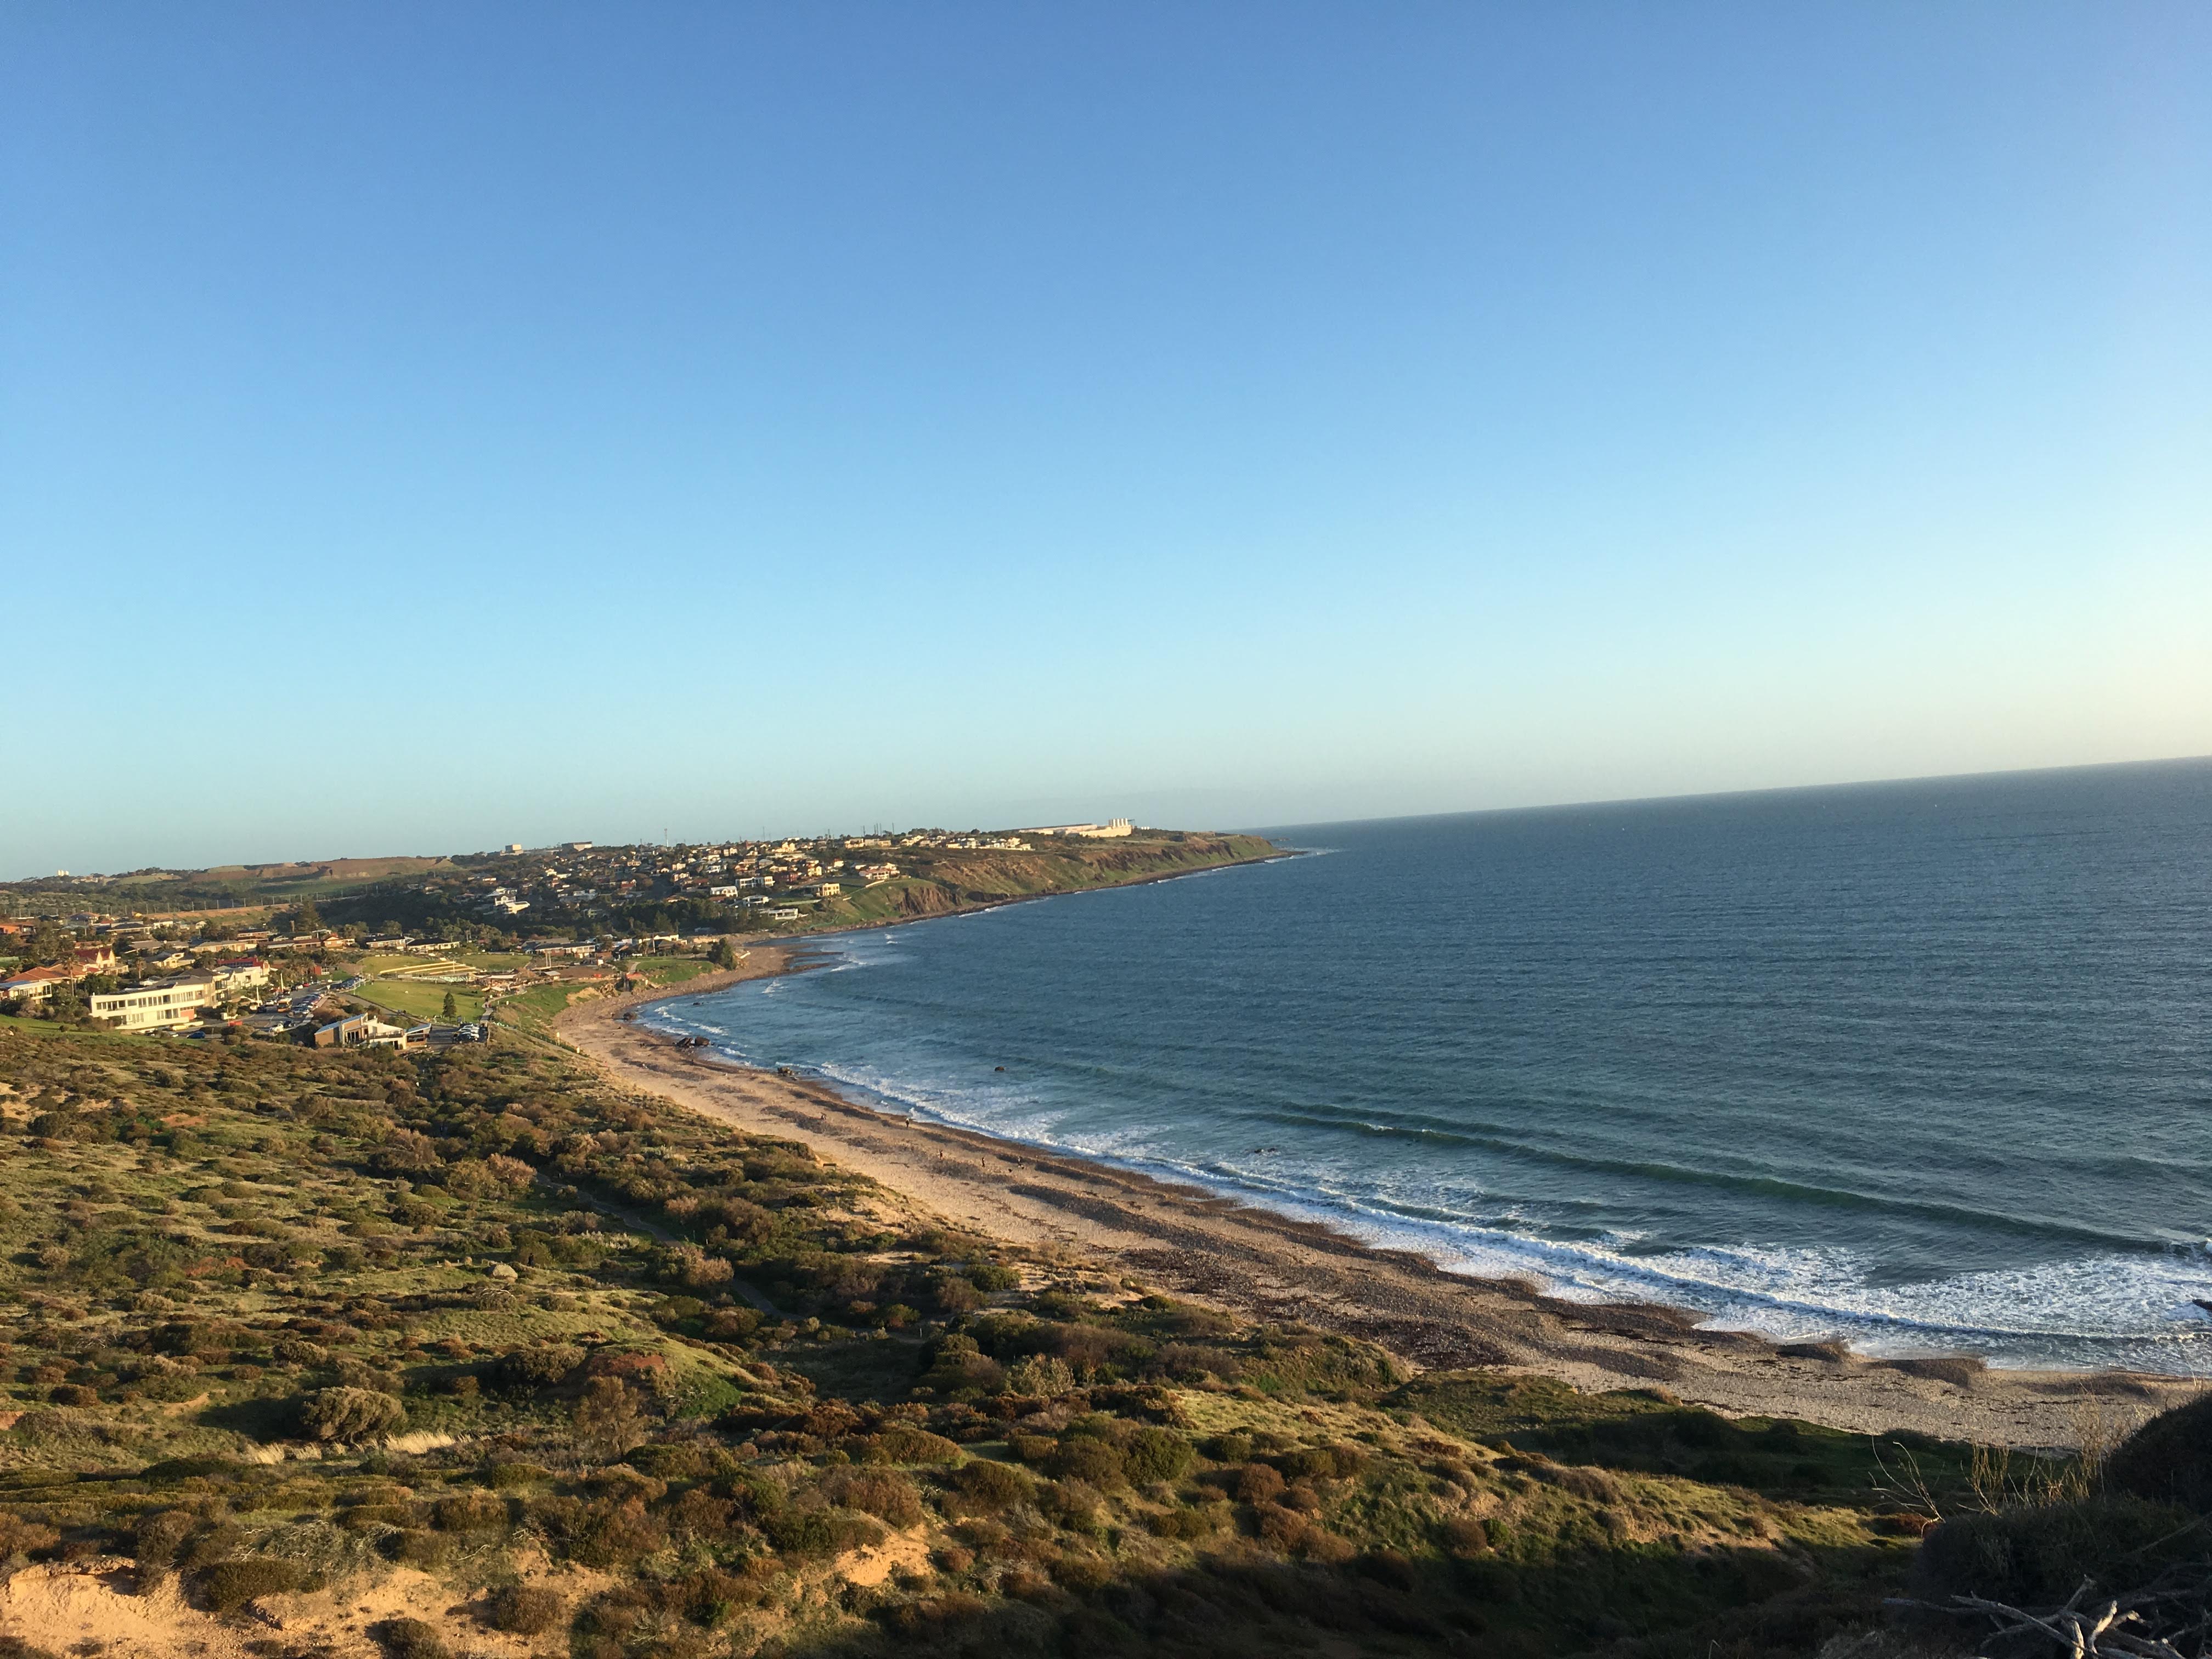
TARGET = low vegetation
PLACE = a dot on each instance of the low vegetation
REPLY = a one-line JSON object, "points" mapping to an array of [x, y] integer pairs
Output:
{"points": [[280, 1321]]}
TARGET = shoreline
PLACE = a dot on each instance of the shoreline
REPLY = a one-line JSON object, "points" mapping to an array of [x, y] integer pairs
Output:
{"points": [[1269, 1266]]}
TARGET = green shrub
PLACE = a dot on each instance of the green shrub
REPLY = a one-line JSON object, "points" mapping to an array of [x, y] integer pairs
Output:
{"points": [[1157, 1455], [614, 1534], [410, 1638], [230, 1585], [1074, 1504], [675, 1310], [984, 1488], [160, 1537], [1039, 1376], [2168, 1459], [526, 1610], [880, 1493], [474, 1512], [731, 1324], [902, 1443], [525, 1371], [413, 1547], [19, 1535], [348, 1413], [1259, 1483], [1089, 1459], [820, 1531], [2037, 1555], [1200, 1523]]}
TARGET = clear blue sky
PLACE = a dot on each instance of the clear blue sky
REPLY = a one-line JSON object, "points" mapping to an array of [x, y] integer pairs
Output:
{"points": [[423, 427]]}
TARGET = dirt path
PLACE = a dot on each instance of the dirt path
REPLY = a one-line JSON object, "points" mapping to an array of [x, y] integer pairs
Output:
{"points": [[1271, 1267]]}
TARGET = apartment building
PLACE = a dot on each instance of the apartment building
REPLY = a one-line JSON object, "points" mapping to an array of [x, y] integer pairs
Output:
{"points": [[163, 1005]]}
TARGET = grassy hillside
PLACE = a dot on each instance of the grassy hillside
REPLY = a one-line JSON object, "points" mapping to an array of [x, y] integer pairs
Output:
{"points": [[292, 1328], [223, 888]]}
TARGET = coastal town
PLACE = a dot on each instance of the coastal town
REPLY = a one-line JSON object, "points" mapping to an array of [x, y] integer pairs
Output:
{"points": [[419, 952]]}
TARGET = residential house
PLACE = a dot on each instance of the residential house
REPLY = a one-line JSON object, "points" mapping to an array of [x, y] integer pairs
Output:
{"points": [[360, 1032], [235, 974], [35, 984]]}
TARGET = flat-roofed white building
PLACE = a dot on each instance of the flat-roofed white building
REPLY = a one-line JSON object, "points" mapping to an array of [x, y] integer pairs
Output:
{"points": [[161, 1006]]}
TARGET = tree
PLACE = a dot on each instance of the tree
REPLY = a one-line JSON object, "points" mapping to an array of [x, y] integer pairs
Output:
{"points": [[452, 1011], [304, 917]]}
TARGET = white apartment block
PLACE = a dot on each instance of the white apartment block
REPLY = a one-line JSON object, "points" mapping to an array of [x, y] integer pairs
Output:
{"points": [[161, 1006]]}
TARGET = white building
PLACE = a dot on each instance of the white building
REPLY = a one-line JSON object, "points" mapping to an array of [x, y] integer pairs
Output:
{"points": [[161, 1006], [237, 974]]}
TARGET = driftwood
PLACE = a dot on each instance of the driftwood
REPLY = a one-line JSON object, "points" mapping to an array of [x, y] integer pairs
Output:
{"points": [[2168, 1619]]}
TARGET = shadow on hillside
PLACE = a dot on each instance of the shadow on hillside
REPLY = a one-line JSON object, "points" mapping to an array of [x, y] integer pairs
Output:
{"points": [[1630, 1602], [1648, 1431], [261, 1420]]}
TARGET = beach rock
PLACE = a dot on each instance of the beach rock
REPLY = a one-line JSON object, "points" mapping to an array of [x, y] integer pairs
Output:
{"points": [[500, 1270]]}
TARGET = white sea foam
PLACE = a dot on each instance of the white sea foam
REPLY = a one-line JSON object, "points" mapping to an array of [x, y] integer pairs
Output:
{"points": [[2111, 1307], [2094, 1306]]}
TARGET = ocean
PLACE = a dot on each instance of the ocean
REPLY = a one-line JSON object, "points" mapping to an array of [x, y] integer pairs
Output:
{"points": [[1926, 1066]]}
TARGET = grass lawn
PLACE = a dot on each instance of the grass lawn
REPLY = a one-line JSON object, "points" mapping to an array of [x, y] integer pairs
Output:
{"points": [[671, 971], [46, 1029], [533, 1009], [384, 962], [421, 1001], [496, 961]]}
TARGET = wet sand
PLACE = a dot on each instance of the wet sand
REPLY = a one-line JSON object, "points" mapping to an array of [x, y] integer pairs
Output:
{"points": [[1195, 1244]]}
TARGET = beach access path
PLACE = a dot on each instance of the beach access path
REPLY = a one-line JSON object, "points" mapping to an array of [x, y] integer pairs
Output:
{"points": [[1208, 1249]]}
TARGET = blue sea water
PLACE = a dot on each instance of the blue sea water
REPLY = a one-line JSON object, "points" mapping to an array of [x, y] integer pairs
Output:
{"points": [[1924, 1065]]}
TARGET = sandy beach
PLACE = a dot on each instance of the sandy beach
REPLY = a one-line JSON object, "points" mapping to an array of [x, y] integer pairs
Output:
{"points": [[1198, 1245]]}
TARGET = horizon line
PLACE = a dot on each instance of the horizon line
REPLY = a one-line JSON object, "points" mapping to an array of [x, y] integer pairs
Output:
{"points": [[1732, 794], [1244, 828]]}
